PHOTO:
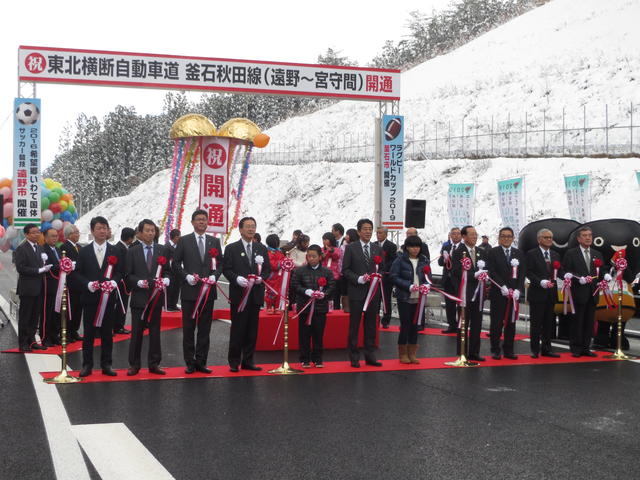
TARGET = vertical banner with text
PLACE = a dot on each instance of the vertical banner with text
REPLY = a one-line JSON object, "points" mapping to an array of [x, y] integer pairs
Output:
{"points": [[461, 202], [511, 202], [578, 189], [26, 161], [392, 174], [214, 182]]}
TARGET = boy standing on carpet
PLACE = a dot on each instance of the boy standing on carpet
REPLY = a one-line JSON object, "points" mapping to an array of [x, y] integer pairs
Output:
{"points": [[313, 285]]}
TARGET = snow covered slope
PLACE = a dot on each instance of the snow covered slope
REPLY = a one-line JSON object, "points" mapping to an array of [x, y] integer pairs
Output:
{"points": [[566, 52]]}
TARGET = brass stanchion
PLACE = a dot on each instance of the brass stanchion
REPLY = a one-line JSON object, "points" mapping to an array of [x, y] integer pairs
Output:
{"points": [[63, 376], [285, 368], [619, 354], [462, 361]]}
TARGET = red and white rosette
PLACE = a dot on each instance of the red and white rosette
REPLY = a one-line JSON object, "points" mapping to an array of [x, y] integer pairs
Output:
{"points": [[621, 265], [213, 253], [376, 282], [513, 307], [423, 291], [597, 263], [482, 282], [462, 289], [106, 288], [311, 304], [556, 267], [567, 298], [286, 267], [158, 286], [66, 267], [603, 286], [514, 267]]}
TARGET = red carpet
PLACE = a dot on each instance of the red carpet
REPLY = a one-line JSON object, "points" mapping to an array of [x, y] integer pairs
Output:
{"points": [[169, 321], [429, 363], [438, 332]]}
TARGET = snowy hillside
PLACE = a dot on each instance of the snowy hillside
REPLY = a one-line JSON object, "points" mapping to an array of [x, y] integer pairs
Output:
{"points": [[566, 52]]}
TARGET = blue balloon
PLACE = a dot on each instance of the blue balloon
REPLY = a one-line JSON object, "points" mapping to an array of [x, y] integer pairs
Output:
{"points": [[45, 226], [5, 223], [44, 192], [65, 216]]}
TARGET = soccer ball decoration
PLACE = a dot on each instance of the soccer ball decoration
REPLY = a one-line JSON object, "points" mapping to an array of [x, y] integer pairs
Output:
{"points": [[27, 113]]}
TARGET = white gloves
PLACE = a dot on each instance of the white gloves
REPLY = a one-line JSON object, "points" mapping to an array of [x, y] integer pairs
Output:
{"points": [[516, 295], [544, 283], [504, 290], [166, 281], [74, 265], [258, 280], [582, 280], [568, 276], [320, 295], [308, 292], [45, 269], [191, 280], [608, 277], [414, 288], [212, 278], [91, 287], [113, 283], [142, 284], [241, 281], [445, 255], [479, 272], [362, 279]]}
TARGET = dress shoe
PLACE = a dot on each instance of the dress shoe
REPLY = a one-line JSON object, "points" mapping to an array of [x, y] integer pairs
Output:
{"points": [[109, 371], [86, 371], [385, 325], [203, 369], [157, 371], [37, 346], [190, 369], [535, 355], [253, 367], [305, 365], [122, 331], [511, 356], [373, 363], [496, 356], [355, 363], [589, 353], [551, 354], [476, 358], [449, 330], [132, 371], [319, 365], [234, 369], [576, 355]]}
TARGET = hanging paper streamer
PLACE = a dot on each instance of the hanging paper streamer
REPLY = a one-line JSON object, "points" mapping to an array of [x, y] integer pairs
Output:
{"points": [[239, 191], [167, 220]]}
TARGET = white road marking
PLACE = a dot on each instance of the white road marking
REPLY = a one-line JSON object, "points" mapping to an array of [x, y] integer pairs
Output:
{"points": [[116, 453], [66, 455]]}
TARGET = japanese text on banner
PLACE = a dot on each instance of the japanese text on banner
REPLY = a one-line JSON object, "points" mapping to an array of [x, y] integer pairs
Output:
{"points": [[511, 202], [214, 182], [461, 201], [392, 172], [578, 189], [26, 161]]}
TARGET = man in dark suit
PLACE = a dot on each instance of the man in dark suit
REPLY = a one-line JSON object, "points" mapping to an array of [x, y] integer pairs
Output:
{"points": [[50, 319], [93, 266], [74, 309], [502, 262], [193, 257], [389, 251], [472, 312], [578, 263], [173, 290], [31, 271], [141, 268], [239, 263], [357, 265], [338, 232], [120, 317], [542, 294], [444, 261]]}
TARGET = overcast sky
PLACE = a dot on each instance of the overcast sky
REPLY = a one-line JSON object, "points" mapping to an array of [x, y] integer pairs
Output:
{"points": [[285, 30]]}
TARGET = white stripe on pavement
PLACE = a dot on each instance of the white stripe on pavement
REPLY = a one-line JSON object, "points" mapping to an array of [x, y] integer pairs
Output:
{"points": [[66, 455], [116, 453]]}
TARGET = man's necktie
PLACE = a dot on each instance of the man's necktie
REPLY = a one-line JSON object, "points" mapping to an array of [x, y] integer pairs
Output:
{"points": [[249, 257], [201, 247], [547, 260], [472, 254], [367, 256], [55, 252], [507, 253], [149, 256], [587, 259]]}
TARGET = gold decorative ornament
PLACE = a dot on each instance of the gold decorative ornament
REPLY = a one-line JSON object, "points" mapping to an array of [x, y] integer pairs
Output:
{"points": [[193, 125]]}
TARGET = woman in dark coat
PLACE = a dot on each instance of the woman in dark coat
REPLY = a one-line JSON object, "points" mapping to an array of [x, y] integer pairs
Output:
{"points": [[407, 274]]}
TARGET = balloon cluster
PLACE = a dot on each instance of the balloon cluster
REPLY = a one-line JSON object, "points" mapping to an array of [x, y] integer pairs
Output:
{"points": [[57, 211]]}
